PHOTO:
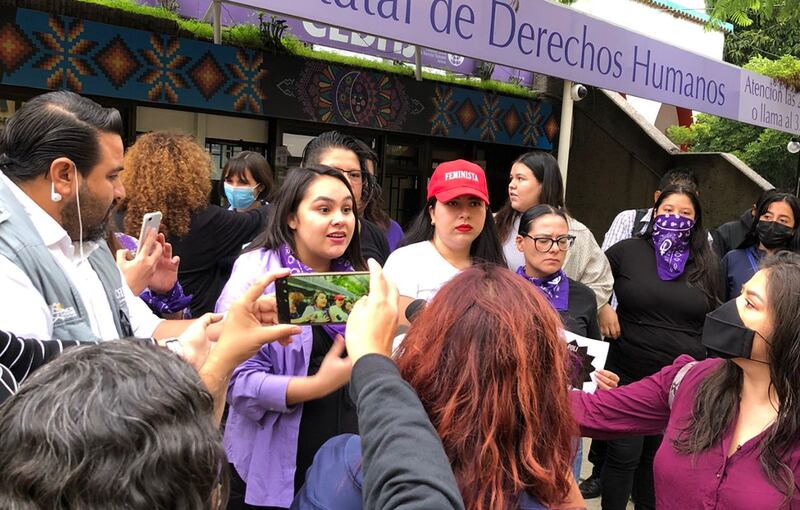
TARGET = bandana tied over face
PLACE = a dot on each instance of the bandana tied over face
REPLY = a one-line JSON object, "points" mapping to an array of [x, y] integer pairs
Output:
{"points": [[293, 264], [671, 236], [555, 287]]}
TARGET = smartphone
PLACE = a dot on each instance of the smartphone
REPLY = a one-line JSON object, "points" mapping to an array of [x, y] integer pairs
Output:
{"points": [[317, 299], [150, 221]]}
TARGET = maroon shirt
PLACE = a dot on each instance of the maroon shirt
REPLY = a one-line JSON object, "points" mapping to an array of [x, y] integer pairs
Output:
{"points": [[708, 480]]}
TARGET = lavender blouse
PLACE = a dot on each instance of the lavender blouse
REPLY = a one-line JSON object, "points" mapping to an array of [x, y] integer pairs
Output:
{"points": [[261, 433], [709, 480]]}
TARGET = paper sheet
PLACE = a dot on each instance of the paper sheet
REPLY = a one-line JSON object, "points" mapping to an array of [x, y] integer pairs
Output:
{"points": [[593, 355]]}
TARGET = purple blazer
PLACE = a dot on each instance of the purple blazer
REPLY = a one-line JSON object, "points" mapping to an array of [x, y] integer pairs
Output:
{"points": [[261, 433], [708, 480]]}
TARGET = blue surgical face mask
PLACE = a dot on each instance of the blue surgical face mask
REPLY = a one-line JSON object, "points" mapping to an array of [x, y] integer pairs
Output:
{"points": [[240, 197]]}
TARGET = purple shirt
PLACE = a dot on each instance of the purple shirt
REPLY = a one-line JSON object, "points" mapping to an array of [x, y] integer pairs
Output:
{"points": [[261, 433], [708, 480], [394, 235]]}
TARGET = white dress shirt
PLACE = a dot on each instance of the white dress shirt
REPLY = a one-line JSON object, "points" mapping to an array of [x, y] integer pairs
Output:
{"points": [[622, 226], [25, 313]]}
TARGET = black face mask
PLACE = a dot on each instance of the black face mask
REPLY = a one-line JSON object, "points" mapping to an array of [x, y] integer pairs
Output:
{"points": [[773, 235], [725, 335]]}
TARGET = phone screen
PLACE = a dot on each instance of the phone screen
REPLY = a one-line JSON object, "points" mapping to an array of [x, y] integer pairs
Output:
{"points": [[319, 298]]}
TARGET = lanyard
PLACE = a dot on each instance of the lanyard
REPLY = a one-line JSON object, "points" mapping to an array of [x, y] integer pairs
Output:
{"points": [[752, 259]]}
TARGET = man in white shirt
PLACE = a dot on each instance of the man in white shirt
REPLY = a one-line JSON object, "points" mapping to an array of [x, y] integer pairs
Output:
{"points": [[632, 222], [60, 158]]}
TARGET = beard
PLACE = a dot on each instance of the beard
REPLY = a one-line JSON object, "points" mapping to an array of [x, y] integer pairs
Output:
{"points": [[94, 213]]}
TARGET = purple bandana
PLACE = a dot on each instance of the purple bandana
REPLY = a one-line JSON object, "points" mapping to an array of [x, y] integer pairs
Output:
{"points": [[289, 261], [555, 287], [671, 236]]}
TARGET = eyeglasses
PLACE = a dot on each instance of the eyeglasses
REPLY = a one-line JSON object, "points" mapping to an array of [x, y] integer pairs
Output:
{"points": [[355, 175], [545, 244]]}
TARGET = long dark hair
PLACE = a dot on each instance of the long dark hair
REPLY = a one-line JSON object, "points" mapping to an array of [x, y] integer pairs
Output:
{"points": [[53, 125], [371, 193], [288, 198], [259, 168], [544, 168], [705, 275], [485, 248], [766, 199], [536, 212], [717, 400], [316, 149]]}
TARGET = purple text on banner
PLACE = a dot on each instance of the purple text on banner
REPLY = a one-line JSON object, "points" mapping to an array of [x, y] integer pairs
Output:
{"points": [[556, 40], [318, 33]]}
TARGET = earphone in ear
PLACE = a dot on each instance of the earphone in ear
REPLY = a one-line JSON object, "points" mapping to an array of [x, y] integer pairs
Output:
{"points": [[54, 195]]}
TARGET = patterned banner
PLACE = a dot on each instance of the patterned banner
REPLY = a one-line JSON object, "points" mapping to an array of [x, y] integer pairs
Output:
{"points": [[44, 51]]}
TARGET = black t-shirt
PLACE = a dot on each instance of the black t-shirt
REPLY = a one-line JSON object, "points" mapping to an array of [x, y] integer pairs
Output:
{"points": [[581, 315], [215, 236], [659, 320], [324, 417], [373, 242]]}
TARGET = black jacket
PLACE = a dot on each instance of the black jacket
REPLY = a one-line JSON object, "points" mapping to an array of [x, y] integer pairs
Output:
{"points": [[207, 252], [729, 236], [405, 466]]}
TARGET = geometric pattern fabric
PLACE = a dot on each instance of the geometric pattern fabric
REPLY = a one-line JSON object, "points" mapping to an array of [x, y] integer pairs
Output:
{"points": [[39, 50]]}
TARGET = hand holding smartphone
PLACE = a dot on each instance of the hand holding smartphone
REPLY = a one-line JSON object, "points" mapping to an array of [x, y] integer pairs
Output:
{"points": [[316, 299], [150, 221]]}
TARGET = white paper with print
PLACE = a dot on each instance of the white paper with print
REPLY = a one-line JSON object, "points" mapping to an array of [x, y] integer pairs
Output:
{"points": [[592, 354]]}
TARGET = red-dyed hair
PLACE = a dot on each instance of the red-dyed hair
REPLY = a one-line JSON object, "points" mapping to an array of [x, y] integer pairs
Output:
{"points": [[491, 369]]}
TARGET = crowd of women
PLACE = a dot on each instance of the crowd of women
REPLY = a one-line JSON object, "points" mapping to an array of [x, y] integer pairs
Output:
{"points": [[699, 400]]}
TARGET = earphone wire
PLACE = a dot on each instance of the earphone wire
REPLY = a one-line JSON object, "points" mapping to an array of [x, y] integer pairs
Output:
{"points": [[80, 220]]}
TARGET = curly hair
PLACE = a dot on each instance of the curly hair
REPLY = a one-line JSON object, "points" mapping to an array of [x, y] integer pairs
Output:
{"points": [[168, 172]]}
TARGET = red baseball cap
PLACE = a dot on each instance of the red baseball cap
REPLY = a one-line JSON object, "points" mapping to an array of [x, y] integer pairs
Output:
{"points": [[453, 179]]}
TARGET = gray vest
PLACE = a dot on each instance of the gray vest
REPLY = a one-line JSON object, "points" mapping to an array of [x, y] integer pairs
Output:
{"points": [[21, 243]]}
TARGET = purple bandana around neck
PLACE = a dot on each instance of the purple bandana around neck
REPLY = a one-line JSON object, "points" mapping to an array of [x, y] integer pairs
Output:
{"points": [[671, 239], [289, 261], [555, 287]]}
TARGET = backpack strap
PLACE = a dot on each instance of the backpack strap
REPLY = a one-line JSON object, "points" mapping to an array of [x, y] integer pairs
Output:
{"points": [[676, 382], [638, 224]]}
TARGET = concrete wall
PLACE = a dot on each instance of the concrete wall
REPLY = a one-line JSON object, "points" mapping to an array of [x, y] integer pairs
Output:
{"points": [[617, 159], [727, 185], [202, 125]]}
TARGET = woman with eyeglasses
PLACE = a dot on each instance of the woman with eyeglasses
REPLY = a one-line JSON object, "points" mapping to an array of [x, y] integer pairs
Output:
{"points": [[536, 179], [544, 240], [666, 281]]}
